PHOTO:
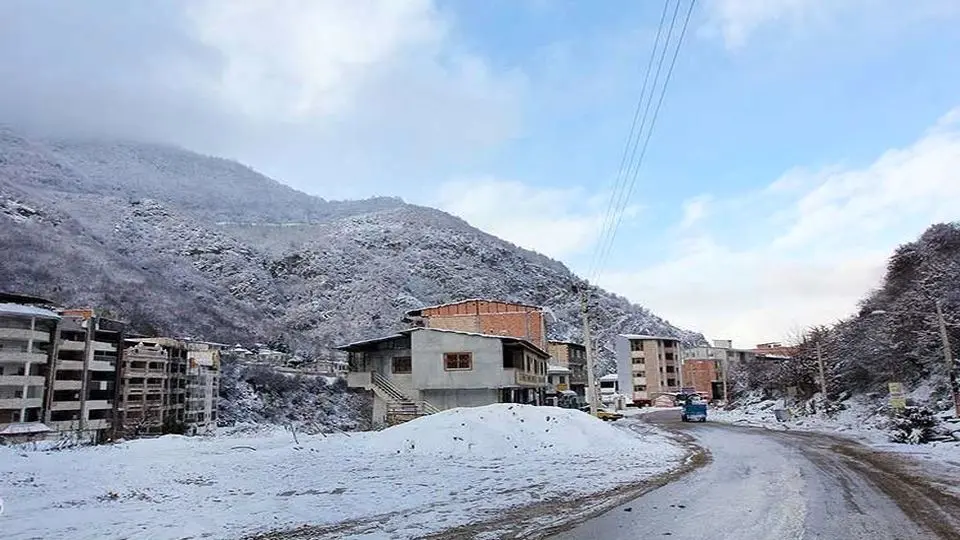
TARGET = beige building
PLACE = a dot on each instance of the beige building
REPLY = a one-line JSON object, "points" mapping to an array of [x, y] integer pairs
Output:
{"points": [[648, 366], [572, 356], [81, 401], [27, 344], [169, 386]]}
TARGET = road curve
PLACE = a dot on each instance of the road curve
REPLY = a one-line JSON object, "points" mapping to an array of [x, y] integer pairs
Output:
{"points": [[771, 485]]}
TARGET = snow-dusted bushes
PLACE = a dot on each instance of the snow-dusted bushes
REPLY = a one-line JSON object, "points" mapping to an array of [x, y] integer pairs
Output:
{"points": [[913, 425], [258, 394]]}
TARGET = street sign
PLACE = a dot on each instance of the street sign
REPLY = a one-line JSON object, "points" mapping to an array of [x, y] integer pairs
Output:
{"points": [[898, 401]]}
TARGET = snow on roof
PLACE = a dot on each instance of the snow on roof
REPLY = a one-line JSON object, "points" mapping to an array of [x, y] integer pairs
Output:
{"points": [[25, 428], [565, 342], [370, 341], [467, 301], [608, 377], [645, 336], [553, 368], [26, 311]]}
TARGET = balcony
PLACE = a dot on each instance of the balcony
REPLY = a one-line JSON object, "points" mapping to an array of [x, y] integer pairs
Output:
{"points": [[23, 334], [102, 366], [72, 346], [20, 357], [67, 385], [98, 404], [21, 403], [65, 405], [22, 380], [69, 365], [104, 346]]}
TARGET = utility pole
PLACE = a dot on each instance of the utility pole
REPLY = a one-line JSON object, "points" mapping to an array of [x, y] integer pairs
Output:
{"points": [[587, 343], [823, 376], [723, 375], [948, 357]]}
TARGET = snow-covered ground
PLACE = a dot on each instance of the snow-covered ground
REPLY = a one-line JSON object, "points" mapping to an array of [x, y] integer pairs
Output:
{"points": [[437, 472], [861, 419]]}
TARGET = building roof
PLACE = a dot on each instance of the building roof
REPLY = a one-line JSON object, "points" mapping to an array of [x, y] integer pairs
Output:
{"points": [[20, 310], [25, 428], [553, 368], [645, 336], [609, 377], [564, 342], [509, 339], [467, 301]]}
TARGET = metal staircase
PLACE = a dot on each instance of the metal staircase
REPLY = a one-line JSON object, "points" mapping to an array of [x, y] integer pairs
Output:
{"points": [[400, 408]]}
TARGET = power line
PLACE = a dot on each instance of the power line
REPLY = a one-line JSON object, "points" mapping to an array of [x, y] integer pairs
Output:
{"points": [[646, 141], [620, 178]]}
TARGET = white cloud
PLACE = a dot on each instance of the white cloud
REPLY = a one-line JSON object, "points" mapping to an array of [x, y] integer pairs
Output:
{"points": [[557, 222], [772, 267], [738, 20], [694, 210]]}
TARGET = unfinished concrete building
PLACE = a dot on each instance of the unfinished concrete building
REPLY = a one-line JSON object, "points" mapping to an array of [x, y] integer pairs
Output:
{"points": [[27, 344], [144, 388], [169, 386], [82, 401]]}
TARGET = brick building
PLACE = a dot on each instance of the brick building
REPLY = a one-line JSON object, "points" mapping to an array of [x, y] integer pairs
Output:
{"points": [[489, 317], [702, 375], [572, 356]]}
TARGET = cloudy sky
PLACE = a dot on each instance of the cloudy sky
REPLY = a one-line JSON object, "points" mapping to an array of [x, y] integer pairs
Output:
{"points": [[799, 141]]}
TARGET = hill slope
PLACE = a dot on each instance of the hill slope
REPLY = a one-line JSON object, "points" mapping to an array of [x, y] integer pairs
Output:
{"points": [[187, 244]]}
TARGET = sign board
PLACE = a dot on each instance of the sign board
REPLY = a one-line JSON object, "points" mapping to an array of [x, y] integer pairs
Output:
{"points": [[561, 387], [898, 401]]}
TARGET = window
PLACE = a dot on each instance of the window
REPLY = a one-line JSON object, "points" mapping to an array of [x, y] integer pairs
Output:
{"points": [[636, 345], [639, 373], [457, 361], [640, 387], [668, 355], [638, 361], [402, 364], [671, 369], [671, 382]]}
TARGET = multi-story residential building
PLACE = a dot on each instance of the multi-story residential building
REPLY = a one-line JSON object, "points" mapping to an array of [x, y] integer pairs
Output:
{"points": [[423, 370], [27, 345], [648, 366], [558, 383], [145, 392], [572, 356], [169, 385], [490, 317], [722, 356], [82, 401], [701, 375], [202, 386]]}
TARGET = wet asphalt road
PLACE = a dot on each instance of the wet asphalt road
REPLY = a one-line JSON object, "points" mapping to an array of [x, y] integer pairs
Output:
{"points": [[770, 485]]}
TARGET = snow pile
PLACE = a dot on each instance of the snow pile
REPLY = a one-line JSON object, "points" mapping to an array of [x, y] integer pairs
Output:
{"points": [[234, 486], [507, 429]]}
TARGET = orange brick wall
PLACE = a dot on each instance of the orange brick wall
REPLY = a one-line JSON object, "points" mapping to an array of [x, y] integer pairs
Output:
{"points": [[700, 374], [486, 317]]}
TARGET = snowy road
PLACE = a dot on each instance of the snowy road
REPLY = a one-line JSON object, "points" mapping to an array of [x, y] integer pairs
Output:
{"points": [[765, 484]]}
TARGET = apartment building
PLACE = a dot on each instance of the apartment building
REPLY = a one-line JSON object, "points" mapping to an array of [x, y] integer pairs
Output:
{"points": [[647, 366], [423, 370], [83, 387], [169, 386], [572, 356], [28, 336], [145, 392], [489, 317], [722, 356], [202, 386]]}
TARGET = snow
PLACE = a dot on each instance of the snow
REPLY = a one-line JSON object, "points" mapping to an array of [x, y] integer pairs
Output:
{"points": [[25, 428], [433, 473], [27, 311], [861, 421]]}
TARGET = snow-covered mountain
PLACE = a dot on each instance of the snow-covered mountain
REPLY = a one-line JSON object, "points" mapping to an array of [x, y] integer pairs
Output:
{"points": [[186, 244]]}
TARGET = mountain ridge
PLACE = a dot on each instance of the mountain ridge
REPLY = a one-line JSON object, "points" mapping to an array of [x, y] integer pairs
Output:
{"points": [[183, 243]]}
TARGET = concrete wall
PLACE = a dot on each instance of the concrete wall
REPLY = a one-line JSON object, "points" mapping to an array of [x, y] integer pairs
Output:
{"points": [[624, 366], [428, 364], [449, 399]]}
